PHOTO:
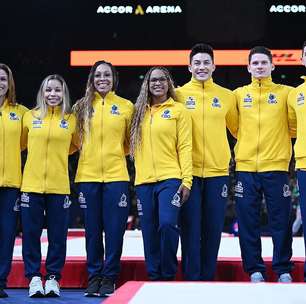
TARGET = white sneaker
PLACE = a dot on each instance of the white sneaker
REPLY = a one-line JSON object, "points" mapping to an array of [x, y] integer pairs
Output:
{"points": [[52, 288], [285, 278], [36, 289], [257, 277]]}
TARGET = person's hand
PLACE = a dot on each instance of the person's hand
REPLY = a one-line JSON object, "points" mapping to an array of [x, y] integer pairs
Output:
{"points": [[184, 193]]}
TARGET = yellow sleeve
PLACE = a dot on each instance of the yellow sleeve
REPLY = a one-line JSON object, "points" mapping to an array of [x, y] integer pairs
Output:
{"points": [[128, 128], [75, 141], [232, 117], [24, 131], [291, 114], [184, 146]]}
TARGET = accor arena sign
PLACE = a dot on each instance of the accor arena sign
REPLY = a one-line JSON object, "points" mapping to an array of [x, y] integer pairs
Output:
{"points": [[139, 9], [288, 8]]}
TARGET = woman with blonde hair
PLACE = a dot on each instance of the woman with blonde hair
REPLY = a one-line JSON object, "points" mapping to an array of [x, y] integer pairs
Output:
{"points": [[10, 170], [48, 132], [161, 147], [103, 123]]}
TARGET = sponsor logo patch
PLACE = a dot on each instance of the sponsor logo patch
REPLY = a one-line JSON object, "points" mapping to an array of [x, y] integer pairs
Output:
{"points": [[36, 123], [224, 192], [82, 201], [239, 189], [286, 191], [25, 197], [300, 99], [190, 103], [176, 200], [139, 207], [64, 124]]}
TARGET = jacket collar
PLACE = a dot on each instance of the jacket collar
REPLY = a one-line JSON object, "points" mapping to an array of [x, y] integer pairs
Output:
{"points": [[98, 98], [264, 82], [202, 84], [166, 103]]}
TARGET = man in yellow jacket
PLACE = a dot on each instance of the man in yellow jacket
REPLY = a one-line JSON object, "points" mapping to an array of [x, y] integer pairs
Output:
{"points": [[213, 110], [262, 153], [297, 120]]}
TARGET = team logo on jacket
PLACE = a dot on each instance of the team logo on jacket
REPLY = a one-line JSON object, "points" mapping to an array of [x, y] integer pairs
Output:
{"points": [[166, 114], [115, 110], [64, 124], [36, 123], [286, 191], [224, 192], [82, 201], [176, 200], [139, 207], [247, 101], [216, 103], [123, 201], [272, 99], [67, 202], [13, 116], [239, 189], [300, 99], [190, 103]]}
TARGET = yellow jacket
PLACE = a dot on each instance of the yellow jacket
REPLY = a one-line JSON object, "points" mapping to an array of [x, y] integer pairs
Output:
{"points": [[165, 150], [10, 134], [297, 121], [212, 109], [102, 156], [263, 139], [48, 141]]}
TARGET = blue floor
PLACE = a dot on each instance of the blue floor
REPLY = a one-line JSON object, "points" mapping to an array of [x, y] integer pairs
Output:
{"points": [[68, 296]]}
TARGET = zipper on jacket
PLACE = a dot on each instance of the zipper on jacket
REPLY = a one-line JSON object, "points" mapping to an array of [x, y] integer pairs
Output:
{"points": [[153, 162], [258, 141], [47, 146], [203, 156], [102, 178]]}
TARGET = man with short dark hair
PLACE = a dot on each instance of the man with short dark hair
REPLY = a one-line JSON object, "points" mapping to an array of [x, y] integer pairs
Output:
{"points": [[262, 154], [212, 109], [297, 120]]}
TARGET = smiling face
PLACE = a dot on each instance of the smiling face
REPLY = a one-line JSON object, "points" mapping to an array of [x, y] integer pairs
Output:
{"points": [[201, 66], [53, 93], [260, 66], [103, 79], [3, 83], [158, 85]]}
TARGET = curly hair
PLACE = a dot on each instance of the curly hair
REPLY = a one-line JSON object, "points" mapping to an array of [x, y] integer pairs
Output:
{"points": [[143, 100], [83, 108]]}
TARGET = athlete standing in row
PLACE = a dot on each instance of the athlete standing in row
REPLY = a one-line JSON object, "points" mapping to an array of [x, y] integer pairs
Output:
{"points": [[48, 132], [262, 153], [297, 120], [213, 110], [103, 124], [11, 115], [161, 146]]}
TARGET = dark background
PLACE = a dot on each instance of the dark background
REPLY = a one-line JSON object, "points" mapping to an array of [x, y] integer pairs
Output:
{"points": [[36, 37]]}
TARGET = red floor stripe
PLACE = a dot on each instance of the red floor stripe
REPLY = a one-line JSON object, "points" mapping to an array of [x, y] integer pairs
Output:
{"points": [[125, 293]]}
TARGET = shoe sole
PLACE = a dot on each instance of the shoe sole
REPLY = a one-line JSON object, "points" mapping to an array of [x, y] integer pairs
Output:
{"points": [[38, 294], [52, 294], [106, 294], [91, 295]]}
